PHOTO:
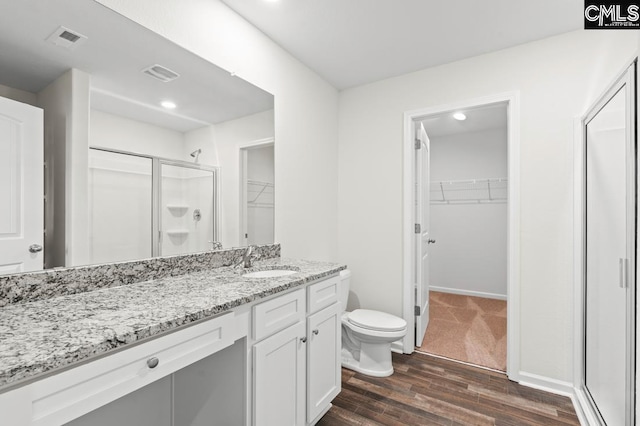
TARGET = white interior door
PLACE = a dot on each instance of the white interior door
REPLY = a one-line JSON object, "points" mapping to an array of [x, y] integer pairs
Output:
{"points": [[610, 254], [422, 232], [21, 187]]}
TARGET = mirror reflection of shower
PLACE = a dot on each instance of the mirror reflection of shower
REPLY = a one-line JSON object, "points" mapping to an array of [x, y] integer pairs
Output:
{"points": [[196, 154], [142, 206]]}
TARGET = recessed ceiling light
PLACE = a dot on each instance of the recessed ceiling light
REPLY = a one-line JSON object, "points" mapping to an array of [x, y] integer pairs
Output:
{"points": [[459, 116], [168, 105]]}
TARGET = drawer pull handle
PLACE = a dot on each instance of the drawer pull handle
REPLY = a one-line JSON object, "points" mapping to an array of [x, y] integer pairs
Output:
{"points": [[316, 331], [303, 339], [153, 362]]}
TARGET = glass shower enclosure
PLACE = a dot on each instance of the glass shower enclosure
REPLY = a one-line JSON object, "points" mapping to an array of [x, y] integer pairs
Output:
{"points": [[142, 206]]}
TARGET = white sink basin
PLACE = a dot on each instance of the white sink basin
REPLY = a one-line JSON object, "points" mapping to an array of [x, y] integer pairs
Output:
{"points": [[270, 273]]}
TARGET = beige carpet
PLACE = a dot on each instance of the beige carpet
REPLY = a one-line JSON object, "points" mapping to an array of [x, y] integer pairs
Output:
{"points": [[466, 328]]}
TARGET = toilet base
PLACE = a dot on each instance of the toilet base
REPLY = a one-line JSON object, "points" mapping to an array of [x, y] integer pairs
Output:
{"points": [[373, 359]]}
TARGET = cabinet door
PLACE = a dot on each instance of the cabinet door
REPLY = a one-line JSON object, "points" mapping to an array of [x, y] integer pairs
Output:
{"points": [[279, 378], [323, 360]]}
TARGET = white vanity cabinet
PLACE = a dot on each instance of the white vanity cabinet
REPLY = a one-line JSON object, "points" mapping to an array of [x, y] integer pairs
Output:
{"points": [[296, 367], [272, 362], [70, 394]]}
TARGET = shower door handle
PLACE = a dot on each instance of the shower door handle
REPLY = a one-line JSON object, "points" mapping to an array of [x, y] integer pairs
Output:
{"points": [[624, 272]]}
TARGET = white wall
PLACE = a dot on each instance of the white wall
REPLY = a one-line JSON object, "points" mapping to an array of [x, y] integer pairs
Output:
{"points": [[18, 95], [557, 79], [306, 112], [470, 253], [121, 133], [66, 134]]}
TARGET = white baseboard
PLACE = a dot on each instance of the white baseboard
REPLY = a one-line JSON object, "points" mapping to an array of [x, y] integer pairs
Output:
{"points": [[585, 413], [468, 292], [546, 384], [560, 388], [397, 347]]}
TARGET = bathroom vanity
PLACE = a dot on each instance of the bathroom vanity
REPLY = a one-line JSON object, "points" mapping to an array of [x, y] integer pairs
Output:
{"points": [[209, 346]]}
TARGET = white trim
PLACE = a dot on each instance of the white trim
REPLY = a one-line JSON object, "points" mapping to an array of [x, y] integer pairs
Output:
{"points": [[242, 155], [258, 143], [558, 387], [513, 254], [397, 346], [468, 292], [583, 409], [578, 246], [546, 384]]}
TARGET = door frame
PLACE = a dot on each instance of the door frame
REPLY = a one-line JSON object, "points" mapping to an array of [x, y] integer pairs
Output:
{"points": [[584, 402], [512, 99], [242, 155]]}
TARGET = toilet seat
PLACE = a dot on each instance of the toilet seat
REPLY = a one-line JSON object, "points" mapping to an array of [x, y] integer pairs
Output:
{"points": [[376, 321]]}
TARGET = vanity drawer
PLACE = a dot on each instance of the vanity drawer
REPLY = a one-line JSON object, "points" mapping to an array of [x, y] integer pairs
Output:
{"points": [[278, 313], [80, 390], [323, 294]]}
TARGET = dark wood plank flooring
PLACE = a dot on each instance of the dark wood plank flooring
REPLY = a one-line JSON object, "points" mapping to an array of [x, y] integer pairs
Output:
{"points": [[426, 390]]}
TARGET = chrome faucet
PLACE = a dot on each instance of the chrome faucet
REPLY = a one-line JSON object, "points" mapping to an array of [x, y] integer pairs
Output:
{"points": [[246, 257]]}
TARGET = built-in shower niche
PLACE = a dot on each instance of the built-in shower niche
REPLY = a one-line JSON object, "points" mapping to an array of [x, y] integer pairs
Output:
{"points": [[143, 206]]}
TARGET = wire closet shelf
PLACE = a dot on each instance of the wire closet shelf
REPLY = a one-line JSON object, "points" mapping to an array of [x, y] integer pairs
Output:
{"points": [[259, 194], [473, 191]]}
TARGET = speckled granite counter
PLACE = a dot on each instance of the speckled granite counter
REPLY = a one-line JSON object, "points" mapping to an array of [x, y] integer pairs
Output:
{"points": [[40, 336]]}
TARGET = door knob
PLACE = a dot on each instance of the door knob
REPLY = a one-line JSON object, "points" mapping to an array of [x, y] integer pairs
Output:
{"points": [[431, 241], [35, 248]]}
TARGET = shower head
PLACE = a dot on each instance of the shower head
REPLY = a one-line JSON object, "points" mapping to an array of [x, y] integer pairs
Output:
{"points": [[196, 152]]}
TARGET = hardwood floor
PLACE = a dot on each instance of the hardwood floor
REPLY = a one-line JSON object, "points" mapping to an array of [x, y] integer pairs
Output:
{"points": [[426, 390]]}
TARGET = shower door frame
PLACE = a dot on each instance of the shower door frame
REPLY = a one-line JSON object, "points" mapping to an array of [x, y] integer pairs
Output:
{"points": [[586, 406], [156, 188]]}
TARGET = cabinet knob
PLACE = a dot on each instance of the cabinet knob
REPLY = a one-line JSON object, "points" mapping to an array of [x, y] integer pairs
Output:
{"points": [[153, 362], [303, 339], [316, 331]]}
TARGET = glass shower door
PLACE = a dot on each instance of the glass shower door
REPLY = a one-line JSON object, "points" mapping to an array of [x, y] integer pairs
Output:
{"points": [[187, 210], [120, 207], [610, 255]]}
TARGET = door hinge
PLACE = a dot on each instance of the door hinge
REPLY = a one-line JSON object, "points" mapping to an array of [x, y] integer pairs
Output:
{"points": [[418, 228], [416, 310], [418, 144]]}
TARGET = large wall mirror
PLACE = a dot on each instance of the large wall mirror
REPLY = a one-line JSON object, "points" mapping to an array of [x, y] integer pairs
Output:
{"points": [[149, 149]]}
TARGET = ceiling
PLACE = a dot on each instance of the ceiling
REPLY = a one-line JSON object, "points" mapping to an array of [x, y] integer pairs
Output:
{"points": [[354, 42], [478, 119], [114, 54]]}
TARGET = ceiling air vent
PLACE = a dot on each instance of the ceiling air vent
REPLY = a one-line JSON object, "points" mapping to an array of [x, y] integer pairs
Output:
{"points": [[69, 39], [161, 73]]}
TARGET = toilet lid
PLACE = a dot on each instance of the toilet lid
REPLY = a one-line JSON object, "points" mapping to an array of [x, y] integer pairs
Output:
{"points": [[375, 320]]}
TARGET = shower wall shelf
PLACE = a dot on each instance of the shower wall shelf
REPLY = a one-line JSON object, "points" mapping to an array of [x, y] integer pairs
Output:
{"points": [[177, 232], [177, 209], [473, 191]]}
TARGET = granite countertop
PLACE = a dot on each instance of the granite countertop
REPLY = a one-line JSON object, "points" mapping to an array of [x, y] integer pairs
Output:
{"points": [[41, 336]]}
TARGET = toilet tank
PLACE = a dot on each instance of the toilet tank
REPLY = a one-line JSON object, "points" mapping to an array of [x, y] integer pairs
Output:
{"points": [[345, 277]]}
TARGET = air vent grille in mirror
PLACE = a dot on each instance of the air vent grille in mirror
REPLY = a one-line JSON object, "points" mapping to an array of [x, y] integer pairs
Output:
{"points": [[64, 37], [161, 73]]}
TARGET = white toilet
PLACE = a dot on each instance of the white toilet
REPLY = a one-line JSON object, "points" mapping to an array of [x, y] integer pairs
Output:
{"points": [[367, 336]]}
